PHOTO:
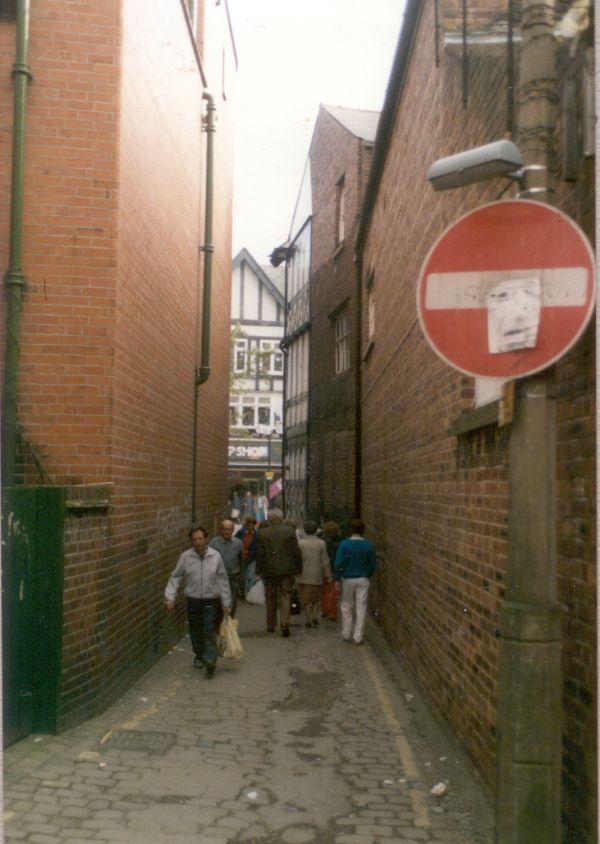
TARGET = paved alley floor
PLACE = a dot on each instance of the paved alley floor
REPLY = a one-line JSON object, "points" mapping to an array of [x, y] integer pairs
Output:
{"points": [[306, 739]]}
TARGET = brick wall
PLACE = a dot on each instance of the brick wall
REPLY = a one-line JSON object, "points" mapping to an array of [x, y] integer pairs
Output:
{"points": [[335, 153], [436, 504], [115, 170]]}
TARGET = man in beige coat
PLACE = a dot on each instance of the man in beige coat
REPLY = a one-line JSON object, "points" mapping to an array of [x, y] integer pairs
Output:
{"points": [[315, 567]]}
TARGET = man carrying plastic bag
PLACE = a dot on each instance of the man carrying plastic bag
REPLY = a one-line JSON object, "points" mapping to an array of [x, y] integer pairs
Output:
{"points": [[203, 570]]}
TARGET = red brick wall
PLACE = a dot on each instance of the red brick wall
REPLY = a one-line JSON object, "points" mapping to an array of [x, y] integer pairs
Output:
{"points": [[436, 504], [115, 171]]}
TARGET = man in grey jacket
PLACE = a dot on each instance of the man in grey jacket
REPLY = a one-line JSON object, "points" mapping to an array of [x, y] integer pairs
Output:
{"points": [[203, 570]]}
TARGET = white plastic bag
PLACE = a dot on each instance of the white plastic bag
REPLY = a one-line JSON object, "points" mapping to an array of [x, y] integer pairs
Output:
{"points": [[232, 647], [256, 595]]}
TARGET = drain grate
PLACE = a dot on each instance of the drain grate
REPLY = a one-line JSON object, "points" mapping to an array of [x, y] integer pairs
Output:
{"points": [[148, 741]]}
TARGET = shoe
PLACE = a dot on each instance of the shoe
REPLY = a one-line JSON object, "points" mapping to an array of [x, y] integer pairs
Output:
{"points": [[285, 632], [359, 642], [198, 663], [270, 629], [347, 641], [315, 623], [210, 669], [308, 624]]}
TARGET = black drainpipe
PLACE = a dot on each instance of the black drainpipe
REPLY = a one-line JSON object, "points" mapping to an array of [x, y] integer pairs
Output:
{"points": [[203, 371], [14, 278]]}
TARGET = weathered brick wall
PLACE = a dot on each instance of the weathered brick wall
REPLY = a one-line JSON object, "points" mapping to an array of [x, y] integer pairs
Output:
{"points": [[335, 152], [115, 171], [436, 504]]}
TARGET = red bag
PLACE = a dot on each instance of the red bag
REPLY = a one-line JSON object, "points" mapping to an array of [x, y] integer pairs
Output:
{"points": [[329, 602]]}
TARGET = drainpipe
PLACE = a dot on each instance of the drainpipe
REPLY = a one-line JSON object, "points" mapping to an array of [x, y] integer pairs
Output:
{"points": [[14, 278], [208, 248], [203, 371]]}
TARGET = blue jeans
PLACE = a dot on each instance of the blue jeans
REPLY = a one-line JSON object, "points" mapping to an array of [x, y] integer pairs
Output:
{"points": [[250, 575], [202, 616]]}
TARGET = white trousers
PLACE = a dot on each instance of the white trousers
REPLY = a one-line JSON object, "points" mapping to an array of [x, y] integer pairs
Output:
{"points": [[355, 591]]}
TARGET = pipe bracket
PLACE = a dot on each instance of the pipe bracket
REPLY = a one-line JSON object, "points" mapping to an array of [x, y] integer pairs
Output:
{"points": [[21, 67], [12, 278]]}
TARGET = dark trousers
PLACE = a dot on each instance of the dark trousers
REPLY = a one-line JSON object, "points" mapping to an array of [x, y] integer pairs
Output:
{"points": [[278, 590], [202, 621]]}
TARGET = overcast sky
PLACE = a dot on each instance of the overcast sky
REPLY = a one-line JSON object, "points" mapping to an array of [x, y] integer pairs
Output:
{"points": [[294, 55]]}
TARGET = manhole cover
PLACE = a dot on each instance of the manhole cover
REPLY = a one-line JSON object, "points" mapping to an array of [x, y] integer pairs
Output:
{"points": [[147, 741]]}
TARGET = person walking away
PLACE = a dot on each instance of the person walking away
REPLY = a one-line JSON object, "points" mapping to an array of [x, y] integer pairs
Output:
{"points": [[236, 506], [278, 560], [354, 565], [315, 567], [203, 571], [332, 537], [248, 536], [231, 550], [248, 505], [261, 507]]}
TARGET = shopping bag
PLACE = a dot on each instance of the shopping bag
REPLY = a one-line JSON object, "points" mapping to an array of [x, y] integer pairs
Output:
{"points": [[329, 602], [256, 595], [232, 647]]}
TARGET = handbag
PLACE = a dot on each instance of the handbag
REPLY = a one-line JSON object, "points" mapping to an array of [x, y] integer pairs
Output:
{"points": [[295, 606], [230, 641], [330, 599]]}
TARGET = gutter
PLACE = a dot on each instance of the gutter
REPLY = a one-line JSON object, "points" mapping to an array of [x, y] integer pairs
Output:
{"points": [[14, 278], [385, 127]]}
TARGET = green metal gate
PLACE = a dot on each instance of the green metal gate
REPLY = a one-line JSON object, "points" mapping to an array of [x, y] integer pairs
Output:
{"points": [[32, 600]]}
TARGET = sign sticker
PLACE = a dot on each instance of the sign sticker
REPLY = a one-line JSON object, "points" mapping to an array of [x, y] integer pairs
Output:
{"points": [[513, 308]]}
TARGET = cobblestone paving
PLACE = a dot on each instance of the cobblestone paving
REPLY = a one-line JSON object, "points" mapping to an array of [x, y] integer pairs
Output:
{"points": [[306, 740]]}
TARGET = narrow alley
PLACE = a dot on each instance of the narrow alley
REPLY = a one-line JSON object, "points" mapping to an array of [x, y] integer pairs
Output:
{"points": [[305, 739]]}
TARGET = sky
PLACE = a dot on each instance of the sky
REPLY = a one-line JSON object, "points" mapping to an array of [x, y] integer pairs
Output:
{"points": [[294, 55]]}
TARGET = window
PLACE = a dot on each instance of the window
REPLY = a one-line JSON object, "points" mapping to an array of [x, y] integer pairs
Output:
{"points": [[340, 198], [261, 414], [342, 342], [240, 356], [271, 357]]}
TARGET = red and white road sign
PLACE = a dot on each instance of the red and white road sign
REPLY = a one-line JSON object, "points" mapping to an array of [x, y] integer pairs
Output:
{"points": [[507, 289]]}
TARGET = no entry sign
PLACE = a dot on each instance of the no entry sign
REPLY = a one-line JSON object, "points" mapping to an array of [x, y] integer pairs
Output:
{"points": [[507, 289]]}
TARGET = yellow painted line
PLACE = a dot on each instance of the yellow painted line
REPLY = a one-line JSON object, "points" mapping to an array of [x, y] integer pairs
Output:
{"points": [[407, 759], [151, 710]]}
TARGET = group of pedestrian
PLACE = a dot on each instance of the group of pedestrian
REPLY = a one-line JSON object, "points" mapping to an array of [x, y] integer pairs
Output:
{"points": [[248, 503], [219, 572]]}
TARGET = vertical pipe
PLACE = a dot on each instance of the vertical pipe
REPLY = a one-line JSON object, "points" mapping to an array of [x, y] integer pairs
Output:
{"points": [[208, 248], [285, 350], [14, 278]]}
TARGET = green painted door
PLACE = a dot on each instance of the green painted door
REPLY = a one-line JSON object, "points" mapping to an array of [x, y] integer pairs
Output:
{"points": [[32, 584]]}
